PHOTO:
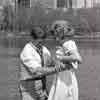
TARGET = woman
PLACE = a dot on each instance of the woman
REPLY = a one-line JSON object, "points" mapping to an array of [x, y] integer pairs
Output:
{"points": [[65, 85]]}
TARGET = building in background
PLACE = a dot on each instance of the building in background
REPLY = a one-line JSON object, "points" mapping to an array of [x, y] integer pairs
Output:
{"points": [[54, 4]]}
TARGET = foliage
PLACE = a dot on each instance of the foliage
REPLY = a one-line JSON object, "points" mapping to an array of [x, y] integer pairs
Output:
{"points": [[84, 21], [8, 17]]}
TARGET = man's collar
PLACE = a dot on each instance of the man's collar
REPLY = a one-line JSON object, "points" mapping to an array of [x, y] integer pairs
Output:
{"points": [[37, 44]]}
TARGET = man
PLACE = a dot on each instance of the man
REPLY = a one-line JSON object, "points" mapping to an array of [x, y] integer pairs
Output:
{"points": [[35, 61]]}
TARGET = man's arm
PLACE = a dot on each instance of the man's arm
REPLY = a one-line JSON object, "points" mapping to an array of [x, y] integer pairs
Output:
{"points": [[28, 58], [45, 71]]}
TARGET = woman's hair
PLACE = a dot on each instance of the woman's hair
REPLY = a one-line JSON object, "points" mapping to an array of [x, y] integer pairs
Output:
{"points": [[37, 32], [65, 26]]}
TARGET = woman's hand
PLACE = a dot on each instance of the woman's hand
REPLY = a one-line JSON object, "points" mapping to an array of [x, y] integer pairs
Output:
{"points": [[59, 57]]}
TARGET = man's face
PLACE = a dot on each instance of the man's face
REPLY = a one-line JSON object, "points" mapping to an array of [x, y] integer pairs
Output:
{"points": [[40, 33]]}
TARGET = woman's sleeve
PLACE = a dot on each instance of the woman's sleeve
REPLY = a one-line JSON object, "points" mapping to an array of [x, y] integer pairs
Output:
{"points": [[71, 48]]}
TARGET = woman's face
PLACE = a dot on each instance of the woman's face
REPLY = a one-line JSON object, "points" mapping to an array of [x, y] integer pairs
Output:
{"points": [[59, 33]]}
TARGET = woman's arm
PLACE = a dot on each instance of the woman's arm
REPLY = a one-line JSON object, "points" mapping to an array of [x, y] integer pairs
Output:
{"points": [[71, 53], [74, 56]]}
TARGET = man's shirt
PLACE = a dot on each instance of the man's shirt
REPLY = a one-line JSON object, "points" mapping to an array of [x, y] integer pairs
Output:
{"points": [[32, 59]]}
